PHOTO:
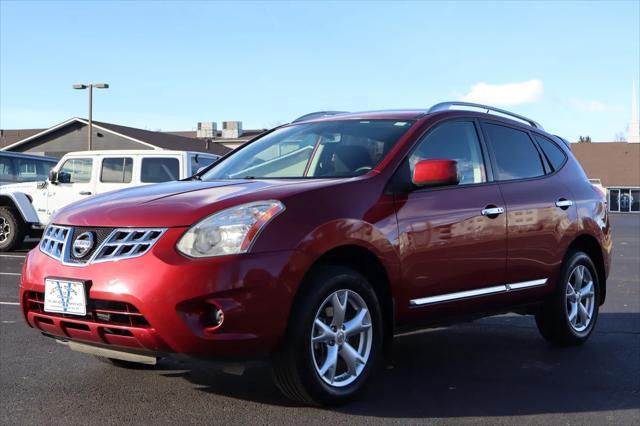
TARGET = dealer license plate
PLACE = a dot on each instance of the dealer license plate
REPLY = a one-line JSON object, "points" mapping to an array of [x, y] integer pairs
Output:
{"points": [[64, 297]]}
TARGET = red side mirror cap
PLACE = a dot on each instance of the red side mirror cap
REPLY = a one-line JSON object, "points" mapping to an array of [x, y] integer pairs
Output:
{"points": [[435, 173]]}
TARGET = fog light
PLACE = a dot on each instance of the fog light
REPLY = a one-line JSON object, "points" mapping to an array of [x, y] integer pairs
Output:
{"points": [[212, 318], [217, 315]]}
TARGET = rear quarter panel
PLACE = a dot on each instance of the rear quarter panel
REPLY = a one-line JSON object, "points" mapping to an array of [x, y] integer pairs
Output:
{"points": [[593, 217]]}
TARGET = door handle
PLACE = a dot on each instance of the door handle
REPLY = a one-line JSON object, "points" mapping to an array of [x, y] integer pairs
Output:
{"points": [[85, 192], [492, 211], [563, 203]]}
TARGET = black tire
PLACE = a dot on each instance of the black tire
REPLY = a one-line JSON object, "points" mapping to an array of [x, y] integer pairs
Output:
{"points": [[125, 364], [294, 365], [11, 229], [553, 318]]}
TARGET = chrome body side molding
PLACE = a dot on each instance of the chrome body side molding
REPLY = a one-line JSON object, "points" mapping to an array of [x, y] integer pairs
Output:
{"points": [[477, 292]]}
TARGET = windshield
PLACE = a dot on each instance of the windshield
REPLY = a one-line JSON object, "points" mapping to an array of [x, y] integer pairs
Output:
{"points": [[314, 150]]}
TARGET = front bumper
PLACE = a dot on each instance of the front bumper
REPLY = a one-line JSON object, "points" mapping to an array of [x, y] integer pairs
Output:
{"points": [[163, 302]]}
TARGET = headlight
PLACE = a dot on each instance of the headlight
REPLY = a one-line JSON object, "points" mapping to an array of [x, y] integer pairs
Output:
{"points": [[229, 231]]}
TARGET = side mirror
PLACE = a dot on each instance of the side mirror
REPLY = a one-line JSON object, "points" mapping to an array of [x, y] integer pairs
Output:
{"points": [[64, 177], [53, 176], [435, 173]]}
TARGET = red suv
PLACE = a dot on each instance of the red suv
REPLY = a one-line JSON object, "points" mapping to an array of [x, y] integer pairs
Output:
{"points": [[316, 242]]}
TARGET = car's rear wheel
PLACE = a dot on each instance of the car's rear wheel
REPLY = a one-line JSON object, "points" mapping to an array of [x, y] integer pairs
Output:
{"points": [[569, 316], [11, 229], [334, 340]]}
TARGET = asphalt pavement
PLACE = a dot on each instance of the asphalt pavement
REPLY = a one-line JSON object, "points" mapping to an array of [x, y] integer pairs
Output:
{"points": [[493, 371]]}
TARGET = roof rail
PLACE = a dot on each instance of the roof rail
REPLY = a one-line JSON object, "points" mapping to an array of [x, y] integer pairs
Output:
{"points": [[317, 114], [443, 106]]}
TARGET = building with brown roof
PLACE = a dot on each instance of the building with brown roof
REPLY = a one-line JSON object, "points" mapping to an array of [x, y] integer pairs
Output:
{"points": [[617, 165], [11, 136]]}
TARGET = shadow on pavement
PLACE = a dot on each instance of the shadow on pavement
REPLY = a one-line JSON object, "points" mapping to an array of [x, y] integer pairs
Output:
{"points": [[26, 245], [495, 367]]}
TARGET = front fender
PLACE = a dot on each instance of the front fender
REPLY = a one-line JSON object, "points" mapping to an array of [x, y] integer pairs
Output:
{"points": [[349, 232], [20, 202]]}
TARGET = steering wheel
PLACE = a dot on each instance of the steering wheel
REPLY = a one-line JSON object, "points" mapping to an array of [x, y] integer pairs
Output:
{"points": [[362, 169]]}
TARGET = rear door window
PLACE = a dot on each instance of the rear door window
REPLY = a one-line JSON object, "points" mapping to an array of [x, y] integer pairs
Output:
{"points": [[116, 170], [159, 169], [515, 155]]}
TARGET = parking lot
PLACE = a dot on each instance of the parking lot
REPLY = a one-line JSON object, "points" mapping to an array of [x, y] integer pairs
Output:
{"points": [[493, 371]]}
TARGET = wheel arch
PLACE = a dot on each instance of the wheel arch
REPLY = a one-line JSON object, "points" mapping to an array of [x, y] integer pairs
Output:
{"points": [[363, 260], [21, 203], [589, 244]]}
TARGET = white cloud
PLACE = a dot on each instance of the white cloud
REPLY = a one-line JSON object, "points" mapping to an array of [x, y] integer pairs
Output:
{"points": [[508, 94], [589, 105]]}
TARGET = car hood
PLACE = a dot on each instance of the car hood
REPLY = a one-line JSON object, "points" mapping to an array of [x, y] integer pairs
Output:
{"points": [[170, 204], [20, 187]]}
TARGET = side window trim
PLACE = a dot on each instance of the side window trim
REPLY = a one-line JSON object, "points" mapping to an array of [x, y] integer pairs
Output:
{"points": [[546, 164], [394, 183], [492, 157], [486, 154]]}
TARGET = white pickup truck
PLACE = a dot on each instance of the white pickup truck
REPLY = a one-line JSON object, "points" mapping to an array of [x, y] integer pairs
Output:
{"points": [[26, 208]]}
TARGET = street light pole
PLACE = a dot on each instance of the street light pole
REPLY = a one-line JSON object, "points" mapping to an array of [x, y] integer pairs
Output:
{"points": [[90, 87], [90, 116]]}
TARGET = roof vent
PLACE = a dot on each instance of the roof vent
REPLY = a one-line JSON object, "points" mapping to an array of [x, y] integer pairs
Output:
{"points": [[206, 130], [231, 129]]}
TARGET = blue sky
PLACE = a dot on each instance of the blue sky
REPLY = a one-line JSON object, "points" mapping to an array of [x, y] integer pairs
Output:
{"points": [[569, 65]]}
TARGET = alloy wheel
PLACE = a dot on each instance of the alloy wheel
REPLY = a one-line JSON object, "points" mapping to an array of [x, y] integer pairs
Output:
{"points": [[580, 298], [341, 338], [5, 229]]}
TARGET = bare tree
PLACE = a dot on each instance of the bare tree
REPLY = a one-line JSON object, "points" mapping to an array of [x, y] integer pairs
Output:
{"points": [[584, 139], [619, 137]]}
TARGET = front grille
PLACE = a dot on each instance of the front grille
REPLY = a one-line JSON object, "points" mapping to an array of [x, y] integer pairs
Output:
{"points": [[109, 243], [55, 240], [127, 243], [100, 311]]}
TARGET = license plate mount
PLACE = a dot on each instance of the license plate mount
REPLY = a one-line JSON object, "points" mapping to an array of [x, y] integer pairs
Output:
{"points": [[63, 296]]}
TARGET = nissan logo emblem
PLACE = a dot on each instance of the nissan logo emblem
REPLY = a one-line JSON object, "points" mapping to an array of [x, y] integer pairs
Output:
{"points": [[83, 244]]}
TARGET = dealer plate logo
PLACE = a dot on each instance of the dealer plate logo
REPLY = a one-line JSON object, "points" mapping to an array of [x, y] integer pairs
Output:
{"points": [[83, 244]]}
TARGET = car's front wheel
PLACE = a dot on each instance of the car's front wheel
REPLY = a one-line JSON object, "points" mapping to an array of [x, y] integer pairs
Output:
{"points": [[11, 229], [334, 339]]}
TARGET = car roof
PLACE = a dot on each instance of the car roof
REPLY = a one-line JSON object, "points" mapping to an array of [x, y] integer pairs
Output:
{"points": [[150, 152], [30, 156], [452, 108], [392, 114]]}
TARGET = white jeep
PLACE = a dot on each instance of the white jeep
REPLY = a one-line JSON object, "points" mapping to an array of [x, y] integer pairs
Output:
{"points": [[26, 208]]}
